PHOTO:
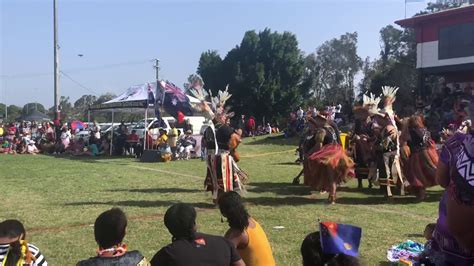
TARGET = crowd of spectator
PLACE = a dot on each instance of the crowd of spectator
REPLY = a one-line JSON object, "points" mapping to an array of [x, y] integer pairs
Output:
{"points": [[245, 242], [65, 138]]}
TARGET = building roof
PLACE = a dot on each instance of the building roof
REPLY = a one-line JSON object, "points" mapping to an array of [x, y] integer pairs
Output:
{"points": [[413, 21]]}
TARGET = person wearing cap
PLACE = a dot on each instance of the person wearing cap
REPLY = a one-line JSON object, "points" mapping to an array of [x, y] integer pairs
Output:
{"points": [[328, 166], [189, 247], [186, 144]]}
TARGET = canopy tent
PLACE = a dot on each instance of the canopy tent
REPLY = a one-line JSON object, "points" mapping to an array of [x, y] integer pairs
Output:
{"points": [[34, 116], [137, 97]]}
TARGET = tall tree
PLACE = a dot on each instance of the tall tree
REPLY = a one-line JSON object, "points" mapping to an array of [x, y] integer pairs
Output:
{"points": [[31, 107], [336, 65], [81, 106], [210, 69], [264, 74]]}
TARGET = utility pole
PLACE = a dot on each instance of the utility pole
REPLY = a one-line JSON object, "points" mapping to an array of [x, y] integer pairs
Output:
{"points": [[157, 69], [57, 112]]}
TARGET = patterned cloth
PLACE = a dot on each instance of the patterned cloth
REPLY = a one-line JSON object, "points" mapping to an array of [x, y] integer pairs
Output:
{"points": [[223, 174]]}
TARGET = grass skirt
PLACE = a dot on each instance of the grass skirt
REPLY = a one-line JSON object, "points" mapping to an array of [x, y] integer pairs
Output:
{"points": [[420, 168], [326, 165]]}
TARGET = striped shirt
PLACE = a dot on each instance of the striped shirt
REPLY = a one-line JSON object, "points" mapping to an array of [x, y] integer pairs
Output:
{"points": [[38, 261]]}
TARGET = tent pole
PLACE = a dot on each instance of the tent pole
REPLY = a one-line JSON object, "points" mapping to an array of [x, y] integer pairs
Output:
{"points": [[112, 136], [145, 131], [88, 117]]}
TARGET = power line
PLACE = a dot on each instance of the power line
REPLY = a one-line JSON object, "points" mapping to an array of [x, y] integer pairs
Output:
{"points": [[27, 75], [77, 83]]}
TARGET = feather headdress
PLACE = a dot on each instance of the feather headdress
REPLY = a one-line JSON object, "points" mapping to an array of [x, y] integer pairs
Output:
{"points": [[371, 103], [390, 95], [215, 107]]}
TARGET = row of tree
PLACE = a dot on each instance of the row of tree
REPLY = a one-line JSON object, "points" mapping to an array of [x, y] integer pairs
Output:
{"points": [[70, 111], [269, 75]]}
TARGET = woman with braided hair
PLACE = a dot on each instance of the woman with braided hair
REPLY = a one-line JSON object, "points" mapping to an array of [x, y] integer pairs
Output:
{"points": [[245, 232], [14, 249]]}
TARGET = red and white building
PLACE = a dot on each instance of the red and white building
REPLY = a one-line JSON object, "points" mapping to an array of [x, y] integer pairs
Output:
{"points": [[445, 44]]}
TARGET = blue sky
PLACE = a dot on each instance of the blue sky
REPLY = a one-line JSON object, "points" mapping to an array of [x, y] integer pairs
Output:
{"points": [[118, 38]]}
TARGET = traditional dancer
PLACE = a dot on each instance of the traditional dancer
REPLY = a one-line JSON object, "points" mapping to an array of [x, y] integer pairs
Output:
{"points": [[329, 164], [221, 140], [362, 141], [421, 156], [388, 143]]}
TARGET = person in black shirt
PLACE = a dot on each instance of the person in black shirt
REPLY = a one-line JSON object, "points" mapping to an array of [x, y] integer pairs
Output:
{"points": [[189, 247]]}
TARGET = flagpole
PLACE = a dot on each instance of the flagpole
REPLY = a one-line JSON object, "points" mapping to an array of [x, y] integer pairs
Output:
{"points": [[405, 9]]}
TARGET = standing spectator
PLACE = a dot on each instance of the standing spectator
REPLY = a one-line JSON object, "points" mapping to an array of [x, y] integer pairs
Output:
{"points": [[300, 113], [251, 126], [109, 231], [245, 232], [14, 249], [241, 124], [189, 247], [96, 130], [50, 133], [173, 138], [65, 138]]}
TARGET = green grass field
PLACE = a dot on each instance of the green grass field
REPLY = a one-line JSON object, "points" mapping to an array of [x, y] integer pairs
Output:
{"points": [[58, 199]]}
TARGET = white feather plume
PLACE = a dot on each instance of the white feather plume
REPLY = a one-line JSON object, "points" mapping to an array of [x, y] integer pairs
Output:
{"points": [[390, 92], [199, 94], [224, 96]]}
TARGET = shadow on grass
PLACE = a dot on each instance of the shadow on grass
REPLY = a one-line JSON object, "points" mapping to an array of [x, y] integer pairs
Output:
{"points": [[287, 163], [141, 203], [274, 140], [376, 200], [157, 190], [272, 201], [92, 159], [282, 188]]}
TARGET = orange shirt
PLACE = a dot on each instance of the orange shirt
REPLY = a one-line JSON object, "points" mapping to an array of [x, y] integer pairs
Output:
{"points": [[258, 251]]}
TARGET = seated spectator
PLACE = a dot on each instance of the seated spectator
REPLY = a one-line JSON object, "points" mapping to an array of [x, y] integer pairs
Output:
{"points": [[91, 150], [14, 249], [162, 140], [245, 232], [189, 247], [109, 231], [105, 146], [132, 141], [313, 255], [185, 145]]}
